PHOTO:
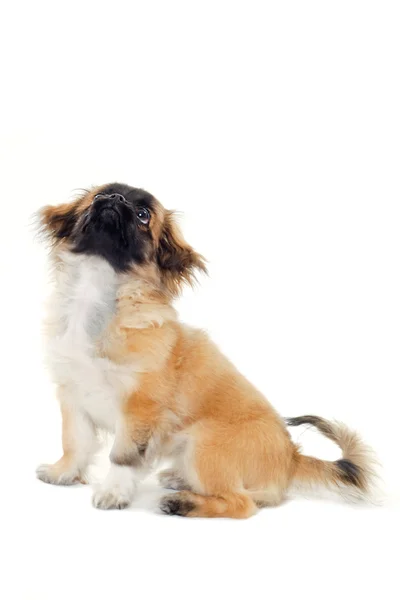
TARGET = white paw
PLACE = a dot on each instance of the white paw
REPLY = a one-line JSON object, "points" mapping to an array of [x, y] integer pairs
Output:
{"points": [[108, 499], [117, 490], [55, 475]]}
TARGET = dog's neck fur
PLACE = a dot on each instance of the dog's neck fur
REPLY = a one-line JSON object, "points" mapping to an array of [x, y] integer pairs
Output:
{"points": [[89, 293], [90, 311], [85, 296]]}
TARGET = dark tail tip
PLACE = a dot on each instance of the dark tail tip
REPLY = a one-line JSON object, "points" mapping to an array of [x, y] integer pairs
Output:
{"points": [[322, 425], [349, 473], [295, 421]]}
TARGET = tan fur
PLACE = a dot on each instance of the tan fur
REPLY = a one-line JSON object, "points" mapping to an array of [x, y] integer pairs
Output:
{"points": [[231, 449]]}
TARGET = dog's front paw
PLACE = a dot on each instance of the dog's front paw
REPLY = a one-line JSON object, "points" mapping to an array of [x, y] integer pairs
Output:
{"points": [[110, 499], [117, 490], [57, 474]]}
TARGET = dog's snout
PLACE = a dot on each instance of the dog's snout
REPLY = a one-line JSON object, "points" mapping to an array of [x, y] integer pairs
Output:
{"points": [[109, 197], [117, 198]]}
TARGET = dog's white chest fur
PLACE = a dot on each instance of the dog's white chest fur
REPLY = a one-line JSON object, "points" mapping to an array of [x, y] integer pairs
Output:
{"points": [[80, 310]]}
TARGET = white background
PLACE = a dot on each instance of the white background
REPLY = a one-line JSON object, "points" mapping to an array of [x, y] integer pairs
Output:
{"points": [[274, 127]]}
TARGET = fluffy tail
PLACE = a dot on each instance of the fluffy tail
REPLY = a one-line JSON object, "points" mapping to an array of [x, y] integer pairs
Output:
{"points": [[354, 471]]}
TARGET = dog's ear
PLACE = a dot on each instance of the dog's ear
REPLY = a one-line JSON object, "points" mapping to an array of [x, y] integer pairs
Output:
{"points": [[59, 221], [178, 262]]}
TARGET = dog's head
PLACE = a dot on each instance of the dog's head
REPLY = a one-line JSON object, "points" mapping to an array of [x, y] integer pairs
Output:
{"points": [[127, 227]]}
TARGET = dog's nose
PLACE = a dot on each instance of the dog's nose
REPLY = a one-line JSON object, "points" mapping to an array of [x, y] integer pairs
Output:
{"points": [[117, 198], [110, 197]]}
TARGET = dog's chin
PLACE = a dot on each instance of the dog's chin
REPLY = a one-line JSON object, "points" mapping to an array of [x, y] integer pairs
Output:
{"points": [[110, 240], [107, 217], [108, 212]]}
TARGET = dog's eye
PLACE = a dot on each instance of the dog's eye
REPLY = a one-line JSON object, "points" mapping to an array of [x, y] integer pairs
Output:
{"points": [[143, 215]]}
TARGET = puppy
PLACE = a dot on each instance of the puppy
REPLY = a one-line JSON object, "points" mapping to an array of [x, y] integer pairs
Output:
{"points": [[123, 362]]}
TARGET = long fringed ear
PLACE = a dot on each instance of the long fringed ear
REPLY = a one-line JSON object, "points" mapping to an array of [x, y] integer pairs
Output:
{"points": [[177, 260], [58, 221]]}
